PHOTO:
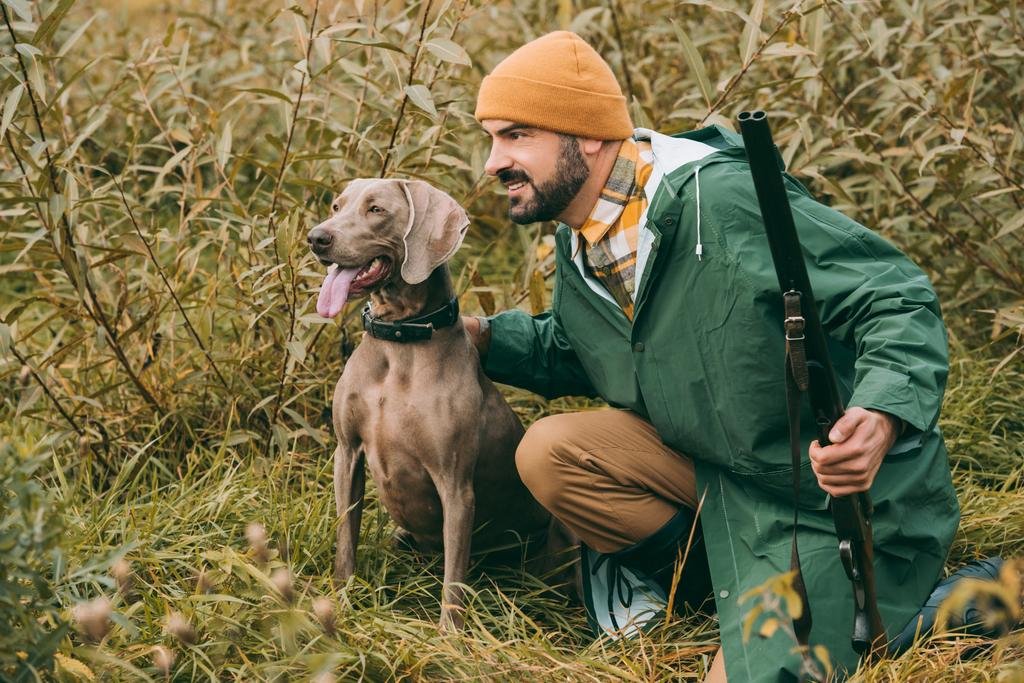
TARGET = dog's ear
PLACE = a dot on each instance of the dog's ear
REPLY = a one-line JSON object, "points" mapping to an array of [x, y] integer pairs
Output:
{"points": [[437, 226]]}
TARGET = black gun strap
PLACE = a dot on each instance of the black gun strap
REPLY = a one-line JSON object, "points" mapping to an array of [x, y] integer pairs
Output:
{"points": [[796, 384]]}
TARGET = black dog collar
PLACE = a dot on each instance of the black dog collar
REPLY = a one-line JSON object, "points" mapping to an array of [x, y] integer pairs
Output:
{"points": [[417, 328]]}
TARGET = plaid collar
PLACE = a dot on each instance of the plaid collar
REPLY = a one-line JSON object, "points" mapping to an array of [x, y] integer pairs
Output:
{"points": [[623, 185]]}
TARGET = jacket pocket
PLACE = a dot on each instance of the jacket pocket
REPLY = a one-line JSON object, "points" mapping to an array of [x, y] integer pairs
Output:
{"points": [[779, 484]]}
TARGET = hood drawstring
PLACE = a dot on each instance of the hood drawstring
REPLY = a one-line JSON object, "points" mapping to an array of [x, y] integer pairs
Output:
{"points": [[700, 247]]}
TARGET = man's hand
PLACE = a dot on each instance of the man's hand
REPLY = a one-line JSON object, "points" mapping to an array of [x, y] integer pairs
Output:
{"points": [[860, 439], [481, 340]]}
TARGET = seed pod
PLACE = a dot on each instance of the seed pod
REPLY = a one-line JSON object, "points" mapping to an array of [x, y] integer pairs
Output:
{"points": [[282, 580], [122, 573], [93, 618], [323, 610], [204, 584], [256, 535], [163, 659], [179, 627]]}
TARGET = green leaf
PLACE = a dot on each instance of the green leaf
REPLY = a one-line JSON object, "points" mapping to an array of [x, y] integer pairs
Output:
{"points": [[449, 51], [421, 97], [696, 64], [11, 106], [1016, 224], [454, 162], [73, 38], [752, 31], [27, 50], [98, 118], [224, 146], [370, 43], [22, 8], [6, 337], [268, 92], [52, 22], [585, 20], [815, 30], [782, 49]]}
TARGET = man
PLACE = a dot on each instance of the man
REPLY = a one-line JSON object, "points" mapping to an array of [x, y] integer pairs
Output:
{"points": [[666, 306]]}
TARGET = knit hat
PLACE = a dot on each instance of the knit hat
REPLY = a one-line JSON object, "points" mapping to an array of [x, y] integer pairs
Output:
{"points": [[559, 83]]}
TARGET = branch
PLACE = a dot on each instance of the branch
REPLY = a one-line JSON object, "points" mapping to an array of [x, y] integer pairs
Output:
{"points": [[405, 96], [95, 311], [170, 289]]}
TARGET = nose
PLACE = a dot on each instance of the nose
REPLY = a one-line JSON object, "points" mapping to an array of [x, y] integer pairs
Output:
{"points": [[497, 160], [319, 239]]}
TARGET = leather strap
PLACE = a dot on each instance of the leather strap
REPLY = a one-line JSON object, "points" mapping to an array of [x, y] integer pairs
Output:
{"points": [[796, 355], [797, 381], [416, 328]]}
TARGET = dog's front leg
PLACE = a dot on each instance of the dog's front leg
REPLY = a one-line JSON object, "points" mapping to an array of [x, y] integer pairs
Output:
{"points": [[349, 487], [459, 503]]}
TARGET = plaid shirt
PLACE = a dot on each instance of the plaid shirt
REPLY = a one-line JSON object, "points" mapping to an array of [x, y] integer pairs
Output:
{"points": [[611, 230]]}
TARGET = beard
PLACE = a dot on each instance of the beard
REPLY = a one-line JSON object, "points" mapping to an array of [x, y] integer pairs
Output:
{"points": [[549, 199]]}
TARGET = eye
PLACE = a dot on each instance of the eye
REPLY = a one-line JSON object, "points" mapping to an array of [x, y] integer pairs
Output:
{"points": [[334, 207], [375, 209], [515, 135]]}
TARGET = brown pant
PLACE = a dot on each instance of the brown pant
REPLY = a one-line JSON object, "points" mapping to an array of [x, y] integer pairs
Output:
{"points": [[606, 475]]}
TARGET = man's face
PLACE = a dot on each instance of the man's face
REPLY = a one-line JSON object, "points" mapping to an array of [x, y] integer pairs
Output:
{"points": [[543, 171]]}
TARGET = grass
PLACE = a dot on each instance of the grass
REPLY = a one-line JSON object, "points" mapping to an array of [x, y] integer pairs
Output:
{"points": [[182, 530]]}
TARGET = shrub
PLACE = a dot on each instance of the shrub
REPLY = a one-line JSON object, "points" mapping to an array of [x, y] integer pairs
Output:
{"points": [[30, 529]]}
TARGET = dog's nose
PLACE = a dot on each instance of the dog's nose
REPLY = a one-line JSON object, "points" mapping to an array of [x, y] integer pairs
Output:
{"points": [[319, 239]]}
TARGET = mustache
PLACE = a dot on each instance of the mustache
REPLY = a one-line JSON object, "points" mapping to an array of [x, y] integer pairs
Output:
{"points": [[508, 176]]}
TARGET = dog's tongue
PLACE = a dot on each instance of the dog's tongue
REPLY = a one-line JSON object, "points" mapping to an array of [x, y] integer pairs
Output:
{"points": [[334, 290]]}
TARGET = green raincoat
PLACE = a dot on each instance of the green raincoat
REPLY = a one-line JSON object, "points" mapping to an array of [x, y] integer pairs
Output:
{"points": [[703, 362]]}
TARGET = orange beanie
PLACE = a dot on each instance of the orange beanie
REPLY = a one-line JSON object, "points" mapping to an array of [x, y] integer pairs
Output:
{"points": [[559, 83]]}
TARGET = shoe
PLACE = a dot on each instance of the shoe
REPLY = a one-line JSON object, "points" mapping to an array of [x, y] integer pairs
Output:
{"points": [[627, 591], [974, 618]]}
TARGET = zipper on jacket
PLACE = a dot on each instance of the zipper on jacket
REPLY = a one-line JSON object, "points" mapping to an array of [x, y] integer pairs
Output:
{"points": [[696, 180]]}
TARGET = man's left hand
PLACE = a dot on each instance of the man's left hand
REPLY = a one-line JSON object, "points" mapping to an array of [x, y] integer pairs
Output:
{"points": [[860, 439]]}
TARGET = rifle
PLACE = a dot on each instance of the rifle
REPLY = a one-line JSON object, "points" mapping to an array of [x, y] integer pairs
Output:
{"points": [[809, 368]]}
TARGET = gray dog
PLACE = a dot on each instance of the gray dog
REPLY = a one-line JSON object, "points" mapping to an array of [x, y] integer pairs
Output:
{"points": [[413, 400]]}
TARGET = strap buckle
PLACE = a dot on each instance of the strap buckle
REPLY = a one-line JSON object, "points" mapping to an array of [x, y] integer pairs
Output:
{"points": [[794, 325]]}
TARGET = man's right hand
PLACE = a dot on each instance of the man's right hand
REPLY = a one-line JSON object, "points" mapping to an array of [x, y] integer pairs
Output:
{"points": [[481, 340]]}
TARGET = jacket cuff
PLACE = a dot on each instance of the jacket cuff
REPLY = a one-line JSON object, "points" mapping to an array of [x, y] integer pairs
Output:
{"points": [[891, 392], [505, 352]]}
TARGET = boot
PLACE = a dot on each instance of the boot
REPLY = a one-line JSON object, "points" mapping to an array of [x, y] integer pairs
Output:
{"points": [[985, 615]]}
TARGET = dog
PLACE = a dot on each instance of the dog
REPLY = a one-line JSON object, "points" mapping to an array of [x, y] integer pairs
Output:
{"points": [[413, 400]]}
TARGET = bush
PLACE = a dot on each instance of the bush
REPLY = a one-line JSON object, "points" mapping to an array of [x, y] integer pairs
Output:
{"points": [[30, 529]]}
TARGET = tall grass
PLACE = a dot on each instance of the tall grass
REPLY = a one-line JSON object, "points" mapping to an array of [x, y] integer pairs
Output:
{"points": [[161, 163]]}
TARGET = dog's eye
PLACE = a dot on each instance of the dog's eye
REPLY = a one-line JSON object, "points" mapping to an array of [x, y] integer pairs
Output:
{"points": [[334, 207], [375, 209]]}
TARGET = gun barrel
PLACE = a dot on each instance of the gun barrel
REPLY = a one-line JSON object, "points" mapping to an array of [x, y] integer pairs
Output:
{"points": [[851, 514]]}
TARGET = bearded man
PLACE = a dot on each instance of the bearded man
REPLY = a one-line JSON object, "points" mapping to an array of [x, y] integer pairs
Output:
{"points": [[666, 305]]}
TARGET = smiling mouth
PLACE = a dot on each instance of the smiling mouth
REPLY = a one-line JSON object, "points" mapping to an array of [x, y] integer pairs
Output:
{"points": [[516, 187], [374, 272], [344, 282]]}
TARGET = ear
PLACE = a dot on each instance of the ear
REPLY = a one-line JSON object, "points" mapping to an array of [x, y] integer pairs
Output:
{"points": [[437, 226]]}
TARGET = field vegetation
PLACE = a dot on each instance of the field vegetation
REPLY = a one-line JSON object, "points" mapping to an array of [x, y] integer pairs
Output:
{"points": [[166, 507]]}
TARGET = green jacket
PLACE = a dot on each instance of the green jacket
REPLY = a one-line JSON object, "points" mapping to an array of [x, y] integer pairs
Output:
{"points": [[703, 362]]}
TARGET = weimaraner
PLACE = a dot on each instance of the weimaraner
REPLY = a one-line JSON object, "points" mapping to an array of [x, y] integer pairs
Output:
{"points": [[439, 438]]}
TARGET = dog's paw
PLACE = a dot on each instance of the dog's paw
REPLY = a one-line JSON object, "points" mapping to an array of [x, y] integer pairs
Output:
{"points": [[452, 619]]}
